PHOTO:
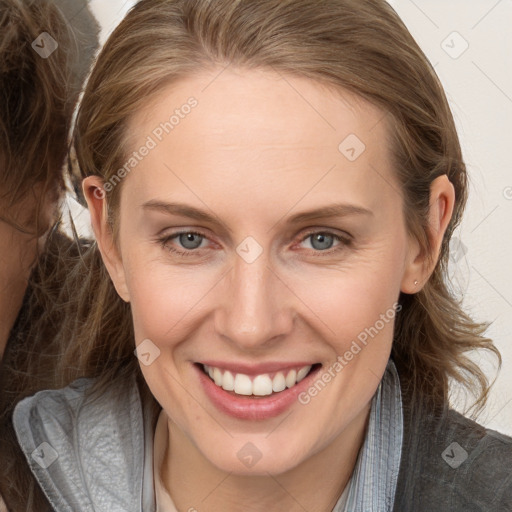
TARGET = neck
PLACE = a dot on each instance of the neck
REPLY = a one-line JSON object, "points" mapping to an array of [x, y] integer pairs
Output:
{"points": [[314, 485], [17, 253]]}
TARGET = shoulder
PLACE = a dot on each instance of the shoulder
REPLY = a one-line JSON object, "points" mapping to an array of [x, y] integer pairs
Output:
{"points": [[84, 449], [73, 412], [450, 462], [48, 402], [74, 407]]}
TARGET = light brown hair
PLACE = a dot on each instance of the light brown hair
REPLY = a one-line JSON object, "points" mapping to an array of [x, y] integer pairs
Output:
{"points": [[357, 45]]}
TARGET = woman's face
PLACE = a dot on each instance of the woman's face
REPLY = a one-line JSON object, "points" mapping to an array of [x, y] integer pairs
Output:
{"points": [[295, 257]]}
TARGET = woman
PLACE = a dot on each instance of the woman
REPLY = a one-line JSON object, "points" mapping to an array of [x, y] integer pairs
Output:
{"points": [[273, 186], [46, 48]]}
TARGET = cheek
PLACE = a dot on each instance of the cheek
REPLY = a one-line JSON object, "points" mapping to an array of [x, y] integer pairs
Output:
{"points": [[351, 298], [339, 301], [162, 297], [357, 315]]}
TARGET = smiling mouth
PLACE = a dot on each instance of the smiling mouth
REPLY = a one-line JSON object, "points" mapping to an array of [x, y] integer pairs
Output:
{"points": [[261, 385]]}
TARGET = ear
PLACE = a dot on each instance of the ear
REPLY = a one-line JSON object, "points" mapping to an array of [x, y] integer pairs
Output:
{"points": [[97, 202], [419, 266]]}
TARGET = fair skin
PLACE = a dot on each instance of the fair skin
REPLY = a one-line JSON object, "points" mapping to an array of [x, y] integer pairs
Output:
{"points": [[253, 153]]}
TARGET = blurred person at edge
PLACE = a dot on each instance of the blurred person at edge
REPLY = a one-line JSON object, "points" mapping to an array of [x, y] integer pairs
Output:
{"points": [[244, 243], [44, 60]]}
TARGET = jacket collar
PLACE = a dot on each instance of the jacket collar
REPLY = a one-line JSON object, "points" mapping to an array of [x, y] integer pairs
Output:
{"points": [[86, 454], [97, 454]]}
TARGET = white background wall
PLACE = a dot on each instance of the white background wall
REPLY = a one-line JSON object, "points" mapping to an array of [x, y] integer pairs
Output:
{"points": [[478, 83]]}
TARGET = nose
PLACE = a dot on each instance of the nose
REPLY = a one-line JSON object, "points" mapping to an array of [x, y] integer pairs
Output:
{"points": [[255, 306]]}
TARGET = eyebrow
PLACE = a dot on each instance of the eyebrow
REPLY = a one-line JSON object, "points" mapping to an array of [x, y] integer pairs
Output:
{"points": [[324, 212]]}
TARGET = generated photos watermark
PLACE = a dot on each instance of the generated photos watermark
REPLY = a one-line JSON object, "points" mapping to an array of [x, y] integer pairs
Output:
{"points": [[45, 455], [249, 455], [147, 352], [44, 45], [157, 135], [343, 360], [454, 455]]}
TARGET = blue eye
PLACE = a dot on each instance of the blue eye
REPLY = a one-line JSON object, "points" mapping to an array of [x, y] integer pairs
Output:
{"points": [[189, 240], [321, 241]]}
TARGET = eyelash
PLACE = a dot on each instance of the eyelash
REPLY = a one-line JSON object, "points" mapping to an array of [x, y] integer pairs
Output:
{"points": [[191, 252], [343, 242]]}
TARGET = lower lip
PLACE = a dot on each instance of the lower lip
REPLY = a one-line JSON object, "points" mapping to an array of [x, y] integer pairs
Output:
{"points": [[249, 407]]}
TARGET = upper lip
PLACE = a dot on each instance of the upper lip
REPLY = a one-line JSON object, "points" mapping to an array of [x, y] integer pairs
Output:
{"points": [[257, 369]]}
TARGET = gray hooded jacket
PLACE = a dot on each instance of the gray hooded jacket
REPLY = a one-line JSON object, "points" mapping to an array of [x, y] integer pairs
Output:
{"points": [[448, 462]]}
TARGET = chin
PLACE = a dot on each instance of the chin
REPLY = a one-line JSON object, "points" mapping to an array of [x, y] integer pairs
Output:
{"points": [[256, 456]]}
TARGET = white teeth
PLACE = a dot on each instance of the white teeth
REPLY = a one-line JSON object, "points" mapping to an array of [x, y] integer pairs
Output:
{"points": [[291, 378], [228, 381], [303, 372], [243, 384], [261, 385], [279, 382], [217, 376]]}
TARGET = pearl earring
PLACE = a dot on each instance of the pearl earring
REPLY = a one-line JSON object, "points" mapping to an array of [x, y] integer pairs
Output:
{"points": [[415, 283]]}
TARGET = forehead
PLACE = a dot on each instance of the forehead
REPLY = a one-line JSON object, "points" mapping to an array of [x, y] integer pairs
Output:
{"points": [[244, 102], [254, 130]]}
